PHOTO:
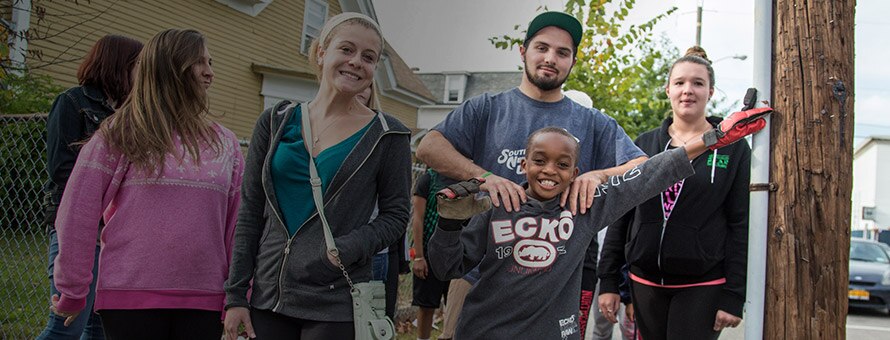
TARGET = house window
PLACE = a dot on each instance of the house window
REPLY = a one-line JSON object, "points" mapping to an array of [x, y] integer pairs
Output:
{"points": [[868, 213], [314, 16], [454, 87], [453, 96]]}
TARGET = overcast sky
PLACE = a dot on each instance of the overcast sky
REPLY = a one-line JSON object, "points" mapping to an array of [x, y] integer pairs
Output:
{"points": [[452, 35]]}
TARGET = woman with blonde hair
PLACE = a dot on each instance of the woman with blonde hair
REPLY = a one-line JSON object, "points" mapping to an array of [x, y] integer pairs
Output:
{"points": [[299, 289], [166, 181]]}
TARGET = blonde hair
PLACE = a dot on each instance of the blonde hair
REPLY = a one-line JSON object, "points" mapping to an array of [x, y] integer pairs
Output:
{"points": [[330, 29], [373, 99], [166, 100]]}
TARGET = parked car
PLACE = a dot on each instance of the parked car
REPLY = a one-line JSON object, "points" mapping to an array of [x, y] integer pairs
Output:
{"points": [[869, 274]]}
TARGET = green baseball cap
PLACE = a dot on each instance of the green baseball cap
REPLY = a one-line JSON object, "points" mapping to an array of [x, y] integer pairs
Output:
{"points": [[559, 19]]}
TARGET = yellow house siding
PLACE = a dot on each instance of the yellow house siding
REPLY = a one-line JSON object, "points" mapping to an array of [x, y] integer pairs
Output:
{"points": [[407, 114], [236, 41]]}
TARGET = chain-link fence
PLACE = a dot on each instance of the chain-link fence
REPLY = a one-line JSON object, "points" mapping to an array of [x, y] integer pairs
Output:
{"points": [[24, 285]]}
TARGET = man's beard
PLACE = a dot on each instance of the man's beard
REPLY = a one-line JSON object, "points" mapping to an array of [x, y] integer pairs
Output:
{"points": [[545, 84]]}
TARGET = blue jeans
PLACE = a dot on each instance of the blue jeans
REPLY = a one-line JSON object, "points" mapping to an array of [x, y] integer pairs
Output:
{"points": [[88, 325], [379, 267]]}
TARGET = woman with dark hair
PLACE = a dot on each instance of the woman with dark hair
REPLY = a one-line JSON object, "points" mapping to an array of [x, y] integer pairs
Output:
{"points": [[687, 247], [105, 79], [363, 157], [166, 180]]}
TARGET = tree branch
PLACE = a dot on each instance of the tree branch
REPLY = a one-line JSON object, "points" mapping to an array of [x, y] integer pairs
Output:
{"points": [[100, 13]]}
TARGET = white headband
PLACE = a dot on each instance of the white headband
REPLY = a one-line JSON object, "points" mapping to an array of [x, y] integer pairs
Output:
{"points": [[340, 18]]}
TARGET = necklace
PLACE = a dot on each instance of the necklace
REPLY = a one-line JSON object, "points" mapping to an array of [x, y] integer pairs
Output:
{"points": [[674, 135], [318, 135]]}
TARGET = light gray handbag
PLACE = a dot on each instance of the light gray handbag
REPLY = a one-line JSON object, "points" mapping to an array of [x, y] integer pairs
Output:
{"points": [[368, 298]]}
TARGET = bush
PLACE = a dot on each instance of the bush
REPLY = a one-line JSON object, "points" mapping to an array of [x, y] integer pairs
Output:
{"points": [[27, 93], [22, 153]]}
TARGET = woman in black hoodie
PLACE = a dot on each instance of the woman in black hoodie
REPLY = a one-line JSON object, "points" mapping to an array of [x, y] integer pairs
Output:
{"points": [[687, 248]]}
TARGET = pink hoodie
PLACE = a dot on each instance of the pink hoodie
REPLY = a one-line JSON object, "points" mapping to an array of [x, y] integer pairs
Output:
{"points": [[167, 239]]}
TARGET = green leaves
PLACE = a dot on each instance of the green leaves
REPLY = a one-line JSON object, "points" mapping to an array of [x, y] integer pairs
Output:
{"points": [[506, 42], [27, 93]]}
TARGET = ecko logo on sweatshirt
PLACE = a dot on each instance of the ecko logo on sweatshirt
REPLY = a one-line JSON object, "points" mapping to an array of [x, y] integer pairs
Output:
{"points": [[568, 327], [536, 239], [511, 159]]}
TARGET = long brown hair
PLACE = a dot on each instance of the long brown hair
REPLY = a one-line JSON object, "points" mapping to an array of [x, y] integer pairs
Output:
{"points": [[109, 66], [167, 100]]}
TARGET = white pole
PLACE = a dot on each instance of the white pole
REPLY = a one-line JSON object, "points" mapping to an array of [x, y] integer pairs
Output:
{"points": [[21, 21], [758, 218], [698, 26]]}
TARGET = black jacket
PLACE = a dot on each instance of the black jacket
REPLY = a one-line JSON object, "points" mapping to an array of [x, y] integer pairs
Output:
{"points": [[75, 115], [706, 236]]}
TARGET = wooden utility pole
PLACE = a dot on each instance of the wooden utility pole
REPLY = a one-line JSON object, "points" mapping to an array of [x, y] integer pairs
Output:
{"points": [[811, 163]]}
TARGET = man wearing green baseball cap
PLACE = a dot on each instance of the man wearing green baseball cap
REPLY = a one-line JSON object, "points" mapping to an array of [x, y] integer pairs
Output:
{"points": [[486, 136], [552, 28]]}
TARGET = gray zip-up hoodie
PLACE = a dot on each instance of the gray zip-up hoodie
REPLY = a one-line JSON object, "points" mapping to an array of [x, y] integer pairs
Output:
{"points": [[531, 260], [292, 275]]}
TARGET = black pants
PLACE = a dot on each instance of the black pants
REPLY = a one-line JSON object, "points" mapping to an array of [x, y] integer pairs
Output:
{"points": [[676, 313], [271, 325], [136, 324]]}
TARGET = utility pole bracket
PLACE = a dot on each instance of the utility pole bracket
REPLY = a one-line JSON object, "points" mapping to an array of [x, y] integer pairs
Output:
{"points": [[771, 187]]}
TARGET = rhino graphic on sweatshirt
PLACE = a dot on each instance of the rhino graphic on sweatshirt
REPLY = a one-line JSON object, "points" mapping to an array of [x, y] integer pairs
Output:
{"points": [[532, 253]]}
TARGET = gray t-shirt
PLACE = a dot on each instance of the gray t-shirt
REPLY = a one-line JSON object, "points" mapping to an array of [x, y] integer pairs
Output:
{"points": [[492, 130], [530, 260]]}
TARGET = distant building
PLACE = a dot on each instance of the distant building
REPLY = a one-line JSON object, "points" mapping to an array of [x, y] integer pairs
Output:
{"points": [[871, 201], [450, 89]]}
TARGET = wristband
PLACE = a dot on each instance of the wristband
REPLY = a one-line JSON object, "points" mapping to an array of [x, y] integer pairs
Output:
{"points": [[481, 178]]}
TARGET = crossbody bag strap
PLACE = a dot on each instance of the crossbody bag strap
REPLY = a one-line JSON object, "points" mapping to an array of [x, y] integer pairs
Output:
{"points": [[315, 181]]}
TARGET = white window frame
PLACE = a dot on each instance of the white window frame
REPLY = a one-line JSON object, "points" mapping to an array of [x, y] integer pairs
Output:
{"points": [[277, 87], [311, 30], [460, 80]]}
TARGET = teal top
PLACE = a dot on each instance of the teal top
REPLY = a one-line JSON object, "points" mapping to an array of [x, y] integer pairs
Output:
{"points": [[290, 171]]}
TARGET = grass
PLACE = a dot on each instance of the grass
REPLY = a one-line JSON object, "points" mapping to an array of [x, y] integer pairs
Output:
{"points": [[24, 285], [405, 313], [25, 288]]}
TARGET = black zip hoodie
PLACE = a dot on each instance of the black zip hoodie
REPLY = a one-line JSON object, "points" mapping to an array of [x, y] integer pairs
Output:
{"points": [[706, 235]]}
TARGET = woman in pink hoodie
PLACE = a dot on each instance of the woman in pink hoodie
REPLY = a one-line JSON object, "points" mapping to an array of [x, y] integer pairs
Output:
{"points": [[166, 180]]}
